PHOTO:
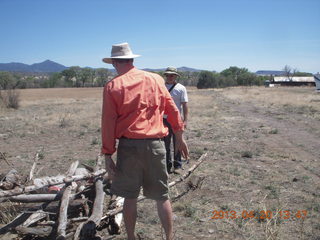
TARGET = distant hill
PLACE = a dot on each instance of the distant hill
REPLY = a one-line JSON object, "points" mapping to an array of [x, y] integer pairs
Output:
{"points": [[43, 67], [270, 72]]}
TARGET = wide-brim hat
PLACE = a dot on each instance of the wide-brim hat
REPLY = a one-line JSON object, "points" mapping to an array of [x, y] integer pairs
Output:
{"points": [[171, 70], [120, 51]]}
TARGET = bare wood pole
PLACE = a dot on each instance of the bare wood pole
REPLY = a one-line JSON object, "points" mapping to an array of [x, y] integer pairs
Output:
{"points": [[50, 182], [63, 217]]}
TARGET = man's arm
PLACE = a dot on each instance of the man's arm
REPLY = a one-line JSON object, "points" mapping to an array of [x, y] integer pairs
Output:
{"points": [[181, 145], [185, 113], [108, 123]]}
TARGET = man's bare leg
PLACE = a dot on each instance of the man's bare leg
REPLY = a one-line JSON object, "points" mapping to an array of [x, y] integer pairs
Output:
{"points": [[130, 216], [165, 215]]}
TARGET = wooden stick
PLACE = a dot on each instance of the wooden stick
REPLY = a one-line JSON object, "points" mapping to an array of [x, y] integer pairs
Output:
{"points": [[33, 166], [49, 182], [35, 217], [34, 198]]}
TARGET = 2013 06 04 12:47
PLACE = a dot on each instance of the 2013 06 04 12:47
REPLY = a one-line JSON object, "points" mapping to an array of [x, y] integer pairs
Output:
{"points": [[263, 214]]}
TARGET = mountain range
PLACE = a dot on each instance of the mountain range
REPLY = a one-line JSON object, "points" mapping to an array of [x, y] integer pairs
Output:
{"points": [[49, 66]]}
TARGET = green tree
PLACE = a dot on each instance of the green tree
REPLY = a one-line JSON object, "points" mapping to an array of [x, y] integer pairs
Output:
{"points": [[102, 75], [52, 81], [234, 73], [86, 75], [206, 80], [69, 75], [6, 80]]}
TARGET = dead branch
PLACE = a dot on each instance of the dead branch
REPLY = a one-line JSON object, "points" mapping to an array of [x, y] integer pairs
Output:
{"points": [[36, 160], [190, 170], [2, 156]]}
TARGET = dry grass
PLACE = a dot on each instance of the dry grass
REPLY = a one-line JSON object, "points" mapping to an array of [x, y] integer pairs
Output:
{"points": [[263, 155]]}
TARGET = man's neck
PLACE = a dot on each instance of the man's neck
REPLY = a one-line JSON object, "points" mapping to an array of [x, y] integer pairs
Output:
{"points": [[170, 83], [124, 69]]}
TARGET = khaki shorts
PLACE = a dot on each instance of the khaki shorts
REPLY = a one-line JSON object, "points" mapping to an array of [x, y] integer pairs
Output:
{"points": [[141, 163]]}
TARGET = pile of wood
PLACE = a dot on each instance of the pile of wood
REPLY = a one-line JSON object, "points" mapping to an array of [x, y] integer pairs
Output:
{"points": [[75, 205]]}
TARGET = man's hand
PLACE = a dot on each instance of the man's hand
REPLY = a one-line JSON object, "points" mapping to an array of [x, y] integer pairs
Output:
{"points": [[185, 123], [110, 166], [181, 145]]}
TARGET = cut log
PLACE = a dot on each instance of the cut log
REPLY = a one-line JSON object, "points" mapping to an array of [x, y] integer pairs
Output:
{"points": [[32, 198]]}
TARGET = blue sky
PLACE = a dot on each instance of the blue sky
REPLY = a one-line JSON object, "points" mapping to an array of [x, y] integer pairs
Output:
{"points": [[203, 34]]}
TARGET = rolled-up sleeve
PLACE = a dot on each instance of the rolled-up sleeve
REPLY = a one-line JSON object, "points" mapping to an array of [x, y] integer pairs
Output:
{"points": [[108, 123]]}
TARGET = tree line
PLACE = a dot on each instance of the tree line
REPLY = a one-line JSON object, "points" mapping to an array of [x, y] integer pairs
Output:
{"points": [[71, 77], [88, 77]]}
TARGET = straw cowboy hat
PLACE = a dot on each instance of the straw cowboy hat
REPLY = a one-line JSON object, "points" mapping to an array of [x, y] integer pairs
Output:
{"points": [[120, 51], [171, 70]]}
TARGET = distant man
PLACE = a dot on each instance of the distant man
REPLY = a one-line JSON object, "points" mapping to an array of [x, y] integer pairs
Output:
{"points": [[134, 103], [180, 97]]}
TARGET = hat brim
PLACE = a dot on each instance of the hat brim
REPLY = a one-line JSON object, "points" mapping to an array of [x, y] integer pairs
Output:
{"points": [[169, 72], [109, 60]]}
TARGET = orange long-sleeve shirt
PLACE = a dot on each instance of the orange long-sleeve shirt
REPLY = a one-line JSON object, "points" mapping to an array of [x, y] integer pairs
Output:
{"points": [[133, 107]]}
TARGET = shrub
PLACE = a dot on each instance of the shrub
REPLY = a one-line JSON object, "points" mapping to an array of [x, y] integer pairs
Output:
{"points": [[10, 98]]}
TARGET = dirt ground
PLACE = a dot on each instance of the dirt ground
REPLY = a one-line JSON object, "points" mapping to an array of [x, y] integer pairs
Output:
{"points": [[263, 148]]}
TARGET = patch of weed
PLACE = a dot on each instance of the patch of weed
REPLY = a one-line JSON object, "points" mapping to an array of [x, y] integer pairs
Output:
{"points": [[246, 154], [273, 191], [273, 131]]}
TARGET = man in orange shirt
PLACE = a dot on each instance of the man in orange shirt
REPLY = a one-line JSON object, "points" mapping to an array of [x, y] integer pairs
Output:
{"points": [[134, 103]]}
